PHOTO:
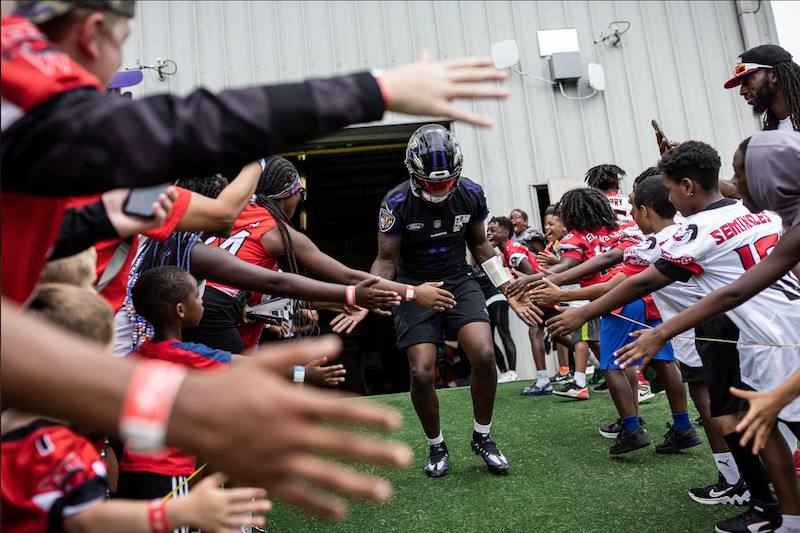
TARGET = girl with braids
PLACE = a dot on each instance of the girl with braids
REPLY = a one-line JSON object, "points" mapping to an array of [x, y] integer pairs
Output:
{"points": [[593, 229], [605, 178], [261, 235]]}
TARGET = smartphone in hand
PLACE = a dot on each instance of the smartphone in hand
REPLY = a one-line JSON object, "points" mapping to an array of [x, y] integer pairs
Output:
{"points": [[660, 132], [140, 201]]}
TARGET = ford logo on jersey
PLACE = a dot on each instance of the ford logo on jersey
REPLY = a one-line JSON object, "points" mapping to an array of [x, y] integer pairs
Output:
{"points": [[415, 226]]}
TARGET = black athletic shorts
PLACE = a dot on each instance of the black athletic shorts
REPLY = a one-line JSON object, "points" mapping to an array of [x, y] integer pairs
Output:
{"points": [[149, 485], [418, 325], [720, 364], [692, 374], [549, 312]]}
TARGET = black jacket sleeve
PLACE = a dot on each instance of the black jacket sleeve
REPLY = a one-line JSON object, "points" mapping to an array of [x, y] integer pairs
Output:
{"points": [[84, 142], [81, 228]]}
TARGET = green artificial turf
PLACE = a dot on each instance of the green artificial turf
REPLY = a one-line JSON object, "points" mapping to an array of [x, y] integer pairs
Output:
{"points": [[561, 479]]}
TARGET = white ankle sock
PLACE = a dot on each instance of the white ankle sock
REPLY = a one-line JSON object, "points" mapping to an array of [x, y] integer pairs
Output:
{"points": [[543, 379], [726, 465], [436, 440], [580, 379], [483, 429], [791, 524]]}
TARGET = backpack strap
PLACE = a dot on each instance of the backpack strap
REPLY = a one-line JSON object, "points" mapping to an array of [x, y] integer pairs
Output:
{"points": [[115, 265]]}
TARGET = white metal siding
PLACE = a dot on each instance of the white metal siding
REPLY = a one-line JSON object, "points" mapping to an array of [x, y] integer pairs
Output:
{"points": [[670, 65]]}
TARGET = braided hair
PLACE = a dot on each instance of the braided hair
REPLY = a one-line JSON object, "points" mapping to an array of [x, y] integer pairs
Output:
{"points": [[604, 178], [788, 75], [278, 173], [586, 209], [210, 186]]}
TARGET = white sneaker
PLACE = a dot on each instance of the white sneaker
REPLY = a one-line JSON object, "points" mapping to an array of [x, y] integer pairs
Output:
{"points": [[503, 377], [513, 375], [645, 396]]}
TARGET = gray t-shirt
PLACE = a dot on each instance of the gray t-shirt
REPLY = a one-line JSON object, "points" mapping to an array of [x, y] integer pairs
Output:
{"points": [[772, 164]]}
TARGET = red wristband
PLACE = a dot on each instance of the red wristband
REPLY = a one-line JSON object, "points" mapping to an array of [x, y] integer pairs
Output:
{"points": [[350, 295], [157, 516], [409, 293], [148, 403], [384, 87]]}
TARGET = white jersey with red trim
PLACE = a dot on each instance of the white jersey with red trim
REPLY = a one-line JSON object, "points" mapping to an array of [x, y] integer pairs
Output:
{"points": [[673, 298], [717, 245], [621, 206]]}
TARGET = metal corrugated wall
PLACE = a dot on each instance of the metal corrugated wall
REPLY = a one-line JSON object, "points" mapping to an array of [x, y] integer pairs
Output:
{"points": [[670, 65]]}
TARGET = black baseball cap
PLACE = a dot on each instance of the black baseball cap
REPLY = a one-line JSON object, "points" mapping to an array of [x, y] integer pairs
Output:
{"points": [[764, 56]]}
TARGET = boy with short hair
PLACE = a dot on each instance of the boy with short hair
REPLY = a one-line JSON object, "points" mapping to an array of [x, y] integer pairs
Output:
{"points": [[53, 478], [78, 269], [168, 298]]}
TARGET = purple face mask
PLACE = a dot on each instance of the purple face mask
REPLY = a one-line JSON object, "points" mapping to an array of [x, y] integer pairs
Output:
{"points": [[772, 166]]}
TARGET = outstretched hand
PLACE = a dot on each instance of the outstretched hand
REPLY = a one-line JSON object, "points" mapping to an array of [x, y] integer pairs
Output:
{"points": [[324, 376], [215, 510], [347, 320], [375, 299], [545, 292], [286, 439], [760, 418], [431, 296], [428, 87], [649, 342], [529, 313], [567, 321]]}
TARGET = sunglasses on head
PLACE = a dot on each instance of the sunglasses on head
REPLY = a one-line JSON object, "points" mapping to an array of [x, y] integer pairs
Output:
{"points": [[744, 67]]}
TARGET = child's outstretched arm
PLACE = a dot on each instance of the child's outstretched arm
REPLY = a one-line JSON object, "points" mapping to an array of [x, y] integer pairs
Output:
{"points": [[207, 507]]}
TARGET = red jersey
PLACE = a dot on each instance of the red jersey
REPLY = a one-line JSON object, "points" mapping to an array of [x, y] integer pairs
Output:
{"points": [[583, 245], [32, 73], [114, 292], [48, 473], [173, 461], [515, 252], [245, 241]]}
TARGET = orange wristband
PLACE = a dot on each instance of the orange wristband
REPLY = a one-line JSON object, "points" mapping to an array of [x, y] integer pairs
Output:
{"points": [[384, 87], [148, 404], [157, 516], [409, 293]]}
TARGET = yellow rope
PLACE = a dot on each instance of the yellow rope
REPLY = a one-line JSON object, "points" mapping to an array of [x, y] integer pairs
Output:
{"points": [[165, 498], [711, 340]]}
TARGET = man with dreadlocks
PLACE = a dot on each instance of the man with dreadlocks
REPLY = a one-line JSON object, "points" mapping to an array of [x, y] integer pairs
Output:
{"points": [[262, 234], [605, 178], [425, 225], [770, 82]]}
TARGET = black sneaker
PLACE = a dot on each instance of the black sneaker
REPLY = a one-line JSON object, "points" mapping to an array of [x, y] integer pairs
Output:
{"points": [[612, 430], [676, 440], [437, 461], [723, 493], [597, 377], [487, 449], [603, 387], [628, 441], [760, 518]]}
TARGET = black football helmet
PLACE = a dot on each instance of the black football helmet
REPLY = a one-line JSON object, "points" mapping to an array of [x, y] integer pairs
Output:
{"points": [[433, 160]]}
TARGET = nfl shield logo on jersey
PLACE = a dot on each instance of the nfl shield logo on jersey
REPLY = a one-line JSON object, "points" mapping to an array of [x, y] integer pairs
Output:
{"points": [[386, 219], [437, 224], [460, 221]]}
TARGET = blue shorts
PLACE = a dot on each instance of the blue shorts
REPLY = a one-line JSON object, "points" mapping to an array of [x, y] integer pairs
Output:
{"points": [[615, 333]]}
